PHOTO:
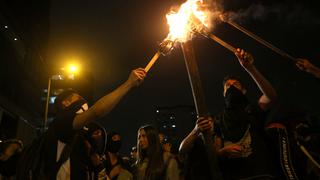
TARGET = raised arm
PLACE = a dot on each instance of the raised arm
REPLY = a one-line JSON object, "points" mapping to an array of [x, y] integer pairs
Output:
{"points": [[105, 104], [269, 94], [204, 125]]}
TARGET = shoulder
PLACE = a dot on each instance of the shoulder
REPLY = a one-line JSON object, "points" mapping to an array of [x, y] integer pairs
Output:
{"points": [[125, 174], [255, 109]]}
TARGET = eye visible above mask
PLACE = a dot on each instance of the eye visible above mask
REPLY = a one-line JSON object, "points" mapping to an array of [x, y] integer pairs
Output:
{"points": [[83, 108]]}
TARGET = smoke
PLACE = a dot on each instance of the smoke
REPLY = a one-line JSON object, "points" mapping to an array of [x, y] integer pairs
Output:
{"points": [[283, 13]]}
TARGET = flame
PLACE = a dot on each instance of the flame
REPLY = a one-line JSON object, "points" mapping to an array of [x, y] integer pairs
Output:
{"points": [[182, 21]]}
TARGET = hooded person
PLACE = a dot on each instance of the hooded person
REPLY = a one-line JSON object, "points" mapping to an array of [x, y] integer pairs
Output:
{"points": [[114, 164], [90, 147], [97, 137]]}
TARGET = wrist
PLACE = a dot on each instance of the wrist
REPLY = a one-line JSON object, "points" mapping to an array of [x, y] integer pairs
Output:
{"points": [[195, 132], [128, 84]]}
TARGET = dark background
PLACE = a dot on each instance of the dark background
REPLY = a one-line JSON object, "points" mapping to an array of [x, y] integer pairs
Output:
{"points": [[110, 38]]}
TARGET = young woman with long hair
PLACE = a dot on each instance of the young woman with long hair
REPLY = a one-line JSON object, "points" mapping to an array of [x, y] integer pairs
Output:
{"points": [[152, 162]]}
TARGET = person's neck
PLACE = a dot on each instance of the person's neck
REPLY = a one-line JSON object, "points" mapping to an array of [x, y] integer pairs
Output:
{"points": [[113, 158]]}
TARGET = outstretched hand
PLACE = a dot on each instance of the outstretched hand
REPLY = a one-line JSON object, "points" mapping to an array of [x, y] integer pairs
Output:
{"points": [[304, 65], [244, 58], [136, 77]]}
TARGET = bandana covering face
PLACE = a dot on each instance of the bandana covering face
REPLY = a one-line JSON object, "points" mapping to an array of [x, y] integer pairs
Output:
{"points": [[113, 146], [235, 120], [78, 107], [235, 98], [98, 143]]}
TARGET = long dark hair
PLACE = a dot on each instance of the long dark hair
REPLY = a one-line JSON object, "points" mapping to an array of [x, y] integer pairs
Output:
{"points": [[153, 153]]}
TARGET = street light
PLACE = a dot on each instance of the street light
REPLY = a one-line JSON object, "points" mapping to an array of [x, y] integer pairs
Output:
{"points": [[70, 71], [73, 68]]}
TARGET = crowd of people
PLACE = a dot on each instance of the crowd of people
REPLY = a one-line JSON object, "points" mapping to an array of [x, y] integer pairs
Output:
{"points": [[237, 143]]}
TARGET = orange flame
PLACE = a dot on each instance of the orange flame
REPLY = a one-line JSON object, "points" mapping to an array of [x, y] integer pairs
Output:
{"points": [[181, 22]]}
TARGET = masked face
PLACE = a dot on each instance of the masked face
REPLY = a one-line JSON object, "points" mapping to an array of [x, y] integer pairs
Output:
{"points": [[75, 104], [114, 144], [235, 98], [96, 141]]}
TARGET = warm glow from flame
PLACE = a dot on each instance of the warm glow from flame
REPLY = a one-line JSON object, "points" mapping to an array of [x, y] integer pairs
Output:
{"points": [[180, 23]]}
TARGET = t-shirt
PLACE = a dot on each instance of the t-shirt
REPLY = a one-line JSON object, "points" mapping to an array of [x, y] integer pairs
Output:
{"points": [[64, 171], [257, 157]]}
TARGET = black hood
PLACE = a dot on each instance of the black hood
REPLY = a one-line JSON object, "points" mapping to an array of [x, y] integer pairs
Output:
{"points": [[89, 129]]}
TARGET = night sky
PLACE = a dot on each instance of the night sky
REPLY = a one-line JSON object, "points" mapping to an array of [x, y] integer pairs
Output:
{"points": [[112, 37]]}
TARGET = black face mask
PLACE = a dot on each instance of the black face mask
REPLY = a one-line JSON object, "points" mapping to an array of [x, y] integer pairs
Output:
{"points": [[97, 144], [74, 107], [235, 118], [235, 98], [113, 146]]}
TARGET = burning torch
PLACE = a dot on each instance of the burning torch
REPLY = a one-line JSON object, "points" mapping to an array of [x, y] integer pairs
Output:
{"points": [[198, 27], [165, 47]]}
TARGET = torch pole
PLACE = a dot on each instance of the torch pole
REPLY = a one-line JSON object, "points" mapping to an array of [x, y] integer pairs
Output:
{"points": [[194, 78], [47, 105], [199, 100], [152, 61], [223, 43], [260, 40], [165, 48], [198, 27]]}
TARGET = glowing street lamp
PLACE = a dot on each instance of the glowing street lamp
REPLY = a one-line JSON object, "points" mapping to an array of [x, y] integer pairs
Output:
{"points": [[73, 68], [70, 71]]}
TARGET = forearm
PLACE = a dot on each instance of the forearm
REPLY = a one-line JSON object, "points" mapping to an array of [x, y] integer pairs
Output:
{"points": [[109, 101], [263, 84], [315, 71], [102, 107], [188, 142]]}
